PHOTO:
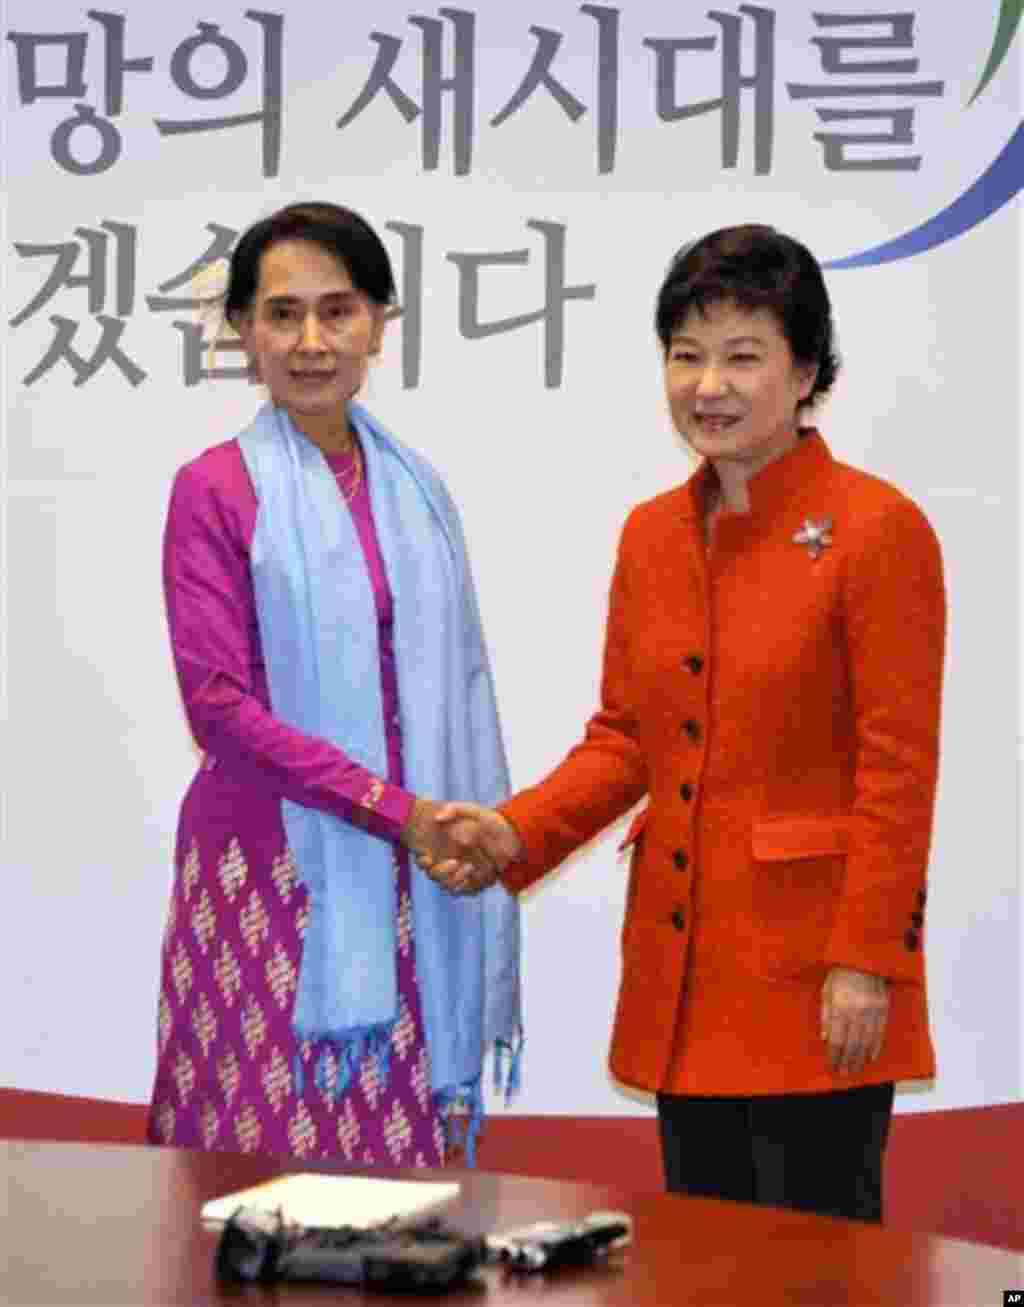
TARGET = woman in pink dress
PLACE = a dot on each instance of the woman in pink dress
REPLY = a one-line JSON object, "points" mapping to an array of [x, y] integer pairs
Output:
{"points": [[320, 996]]}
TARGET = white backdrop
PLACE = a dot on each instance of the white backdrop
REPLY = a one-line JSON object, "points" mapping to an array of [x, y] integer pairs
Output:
{"points": [[95, 751]]}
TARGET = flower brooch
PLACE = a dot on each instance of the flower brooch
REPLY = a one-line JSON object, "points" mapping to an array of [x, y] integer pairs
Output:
{"points": [[815, 534]]}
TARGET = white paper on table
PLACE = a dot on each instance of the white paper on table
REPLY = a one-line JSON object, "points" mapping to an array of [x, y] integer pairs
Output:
{"points": [[331, 1200]]}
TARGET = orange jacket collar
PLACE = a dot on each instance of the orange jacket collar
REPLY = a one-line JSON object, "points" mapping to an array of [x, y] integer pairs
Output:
{"points": [[775, 484]]}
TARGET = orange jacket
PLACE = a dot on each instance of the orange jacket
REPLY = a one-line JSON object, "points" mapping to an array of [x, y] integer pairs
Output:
{"points": [[781, 711]]}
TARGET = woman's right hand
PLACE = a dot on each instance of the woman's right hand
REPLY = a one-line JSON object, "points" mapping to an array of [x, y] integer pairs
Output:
{"points": [[483, 838], [461, 864]]}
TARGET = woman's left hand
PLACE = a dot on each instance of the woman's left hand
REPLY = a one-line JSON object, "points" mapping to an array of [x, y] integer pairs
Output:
{"points": [[854, 1011]]}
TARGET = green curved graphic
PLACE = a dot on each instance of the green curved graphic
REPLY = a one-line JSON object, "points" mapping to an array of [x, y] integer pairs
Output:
{"points": [[1009, 20]]}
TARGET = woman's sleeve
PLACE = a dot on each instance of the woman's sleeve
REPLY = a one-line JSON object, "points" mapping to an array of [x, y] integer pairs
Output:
{"points": [[212, 621], [895, 623], [600, 778]]}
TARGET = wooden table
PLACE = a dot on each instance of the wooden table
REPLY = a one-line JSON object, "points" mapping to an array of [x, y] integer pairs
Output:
{"points": [[106, 1224]]}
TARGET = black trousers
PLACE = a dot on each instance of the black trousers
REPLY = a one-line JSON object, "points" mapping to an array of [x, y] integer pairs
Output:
{"points": [[815, 1152]]}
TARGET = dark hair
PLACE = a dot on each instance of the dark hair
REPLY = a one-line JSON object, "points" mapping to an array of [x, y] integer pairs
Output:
{"points": [[337, 230], [755, 267]]}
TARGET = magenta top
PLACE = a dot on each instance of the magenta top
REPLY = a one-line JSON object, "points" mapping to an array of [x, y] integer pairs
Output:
{"points": [[215, 636]]}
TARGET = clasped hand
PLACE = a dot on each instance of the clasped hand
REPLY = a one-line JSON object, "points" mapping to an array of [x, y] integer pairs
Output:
{"points": [[462, 846]]}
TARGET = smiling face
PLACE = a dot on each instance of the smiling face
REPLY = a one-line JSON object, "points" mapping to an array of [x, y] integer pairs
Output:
{"points": [[310, 333], [733, 385]]}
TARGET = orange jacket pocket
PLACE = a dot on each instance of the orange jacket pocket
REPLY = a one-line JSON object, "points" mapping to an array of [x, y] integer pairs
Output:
{"points": [[632, 843], [782, 839], [636, 827], [798, 866]]}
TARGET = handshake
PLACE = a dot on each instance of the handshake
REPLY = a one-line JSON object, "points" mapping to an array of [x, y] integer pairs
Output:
{"points": [[462, 846]]}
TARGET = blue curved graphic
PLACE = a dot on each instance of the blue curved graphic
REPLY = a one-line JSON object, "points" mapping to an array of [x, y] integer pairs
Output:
{"points": [[996, 186]]}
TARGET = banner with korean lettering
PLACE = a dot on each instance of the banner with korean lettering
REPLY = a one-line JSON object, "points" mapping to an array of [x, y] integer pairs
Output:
{"points": [[532, 168]]}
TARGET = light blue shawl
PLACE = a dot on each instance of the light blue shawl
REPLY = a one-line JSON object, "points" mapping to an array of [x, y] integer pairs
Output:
{"points": [[318, 626]]}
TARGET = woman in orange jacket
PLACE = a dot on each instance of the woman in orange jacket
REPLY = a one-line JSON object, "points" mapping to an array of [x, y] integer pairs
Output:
{"points": [[771, 684]]}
